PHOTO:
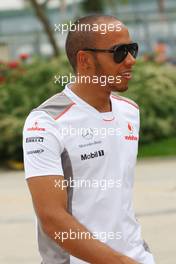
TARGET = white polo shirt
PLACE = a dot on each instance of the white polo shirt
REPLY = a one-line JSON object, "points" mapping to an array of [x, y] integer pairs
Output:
{"points": [[96, 154]]}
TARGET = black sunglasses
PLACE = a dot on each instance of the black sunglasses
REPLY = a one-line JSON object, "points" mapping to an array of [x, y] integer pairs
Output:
{"points": [[120, 51]]}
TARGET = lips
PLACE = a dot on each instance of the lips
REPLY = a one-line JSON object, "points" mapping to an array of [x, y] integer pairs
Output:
{"points": [[127, 75]]}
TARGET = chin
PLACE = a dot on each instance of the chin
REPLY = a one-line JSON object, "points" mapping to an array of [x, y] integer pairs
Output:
{"points": [[119, 88]]}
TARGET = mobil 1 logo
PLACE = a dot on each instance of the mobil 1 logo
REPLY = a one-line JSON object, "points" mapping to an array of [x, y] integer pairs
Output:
{"points": [[92, 155]]}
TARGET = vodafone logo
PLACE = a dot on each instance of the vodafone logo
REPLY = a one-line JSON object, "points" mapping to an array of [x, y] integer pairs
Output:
{"points": [[130, 131], [36, 127], [130, 128], [131, 138]]}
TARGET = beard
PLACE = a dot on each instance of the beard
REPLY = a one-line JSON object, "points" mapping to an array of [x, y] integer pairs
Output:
{"points": [[110, 87], [119, 89]]}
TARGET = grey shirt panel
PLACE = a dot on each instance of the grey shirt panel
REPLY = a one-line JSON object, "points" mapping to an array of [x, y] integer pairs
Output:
{"points": [[55, 105], [68, 175], [50, 251]]}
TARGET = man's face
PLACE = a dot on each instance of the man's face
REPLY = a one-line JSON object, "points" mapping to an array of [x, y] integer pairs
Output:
{"points": [[104, 63]]}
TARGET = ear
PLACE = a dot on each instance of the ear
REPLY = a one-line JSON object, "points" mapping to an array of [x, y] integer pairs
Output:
{"points": [[84, 60]]}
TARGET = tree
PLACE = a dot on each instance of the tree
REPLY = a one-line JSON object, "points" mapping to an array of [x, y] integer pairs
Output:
{"points": [[161, 5], [40, 10]]}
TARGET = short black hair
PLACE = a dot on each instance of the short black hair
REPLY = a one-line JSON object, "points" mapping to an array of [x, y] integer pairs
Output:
{"points": [[80, 39]]}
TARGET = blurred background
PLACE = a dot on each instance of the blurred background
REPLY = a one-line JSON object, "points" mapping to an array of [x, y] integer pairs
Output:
{"points": [[32, 54]]}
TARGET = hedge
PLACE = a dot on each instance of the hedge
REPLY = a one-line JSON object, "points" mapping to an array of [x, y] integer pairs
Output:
{"points": [[153, 88], [25, 86]]}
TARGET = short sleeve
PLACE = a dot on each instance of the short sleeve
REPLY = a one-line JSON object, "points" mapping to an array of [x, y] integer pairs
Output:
{"points": [[42, 146], [138, 118]]}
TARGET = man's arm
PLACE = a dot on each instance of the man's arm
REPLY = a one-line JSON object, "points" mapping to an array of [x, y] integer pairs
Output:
{"points": [[50, 204]]}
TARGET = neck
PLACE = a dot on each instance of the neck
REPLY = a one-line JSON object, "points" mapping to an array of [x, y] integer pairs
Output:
{"points": [[95, 96]]}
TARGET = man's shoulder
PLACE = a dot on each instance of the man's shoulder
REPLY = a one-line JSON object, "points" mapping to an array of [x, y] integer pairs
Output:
{"points": [[49, 111], [55, 106], [125, 101]]}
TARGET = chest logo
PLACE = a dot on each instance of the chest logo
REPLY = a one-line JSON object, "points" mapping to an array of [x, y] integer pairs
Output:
{"points": [[88, 133], [92, 155], [130, 135]]}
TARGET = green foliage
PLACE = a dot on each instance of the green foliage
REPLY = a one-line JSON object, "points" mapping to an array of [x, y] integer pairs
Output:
{"points": [[164, 147], [28, 85], [154, 89], [93, 6], [25, 87]]}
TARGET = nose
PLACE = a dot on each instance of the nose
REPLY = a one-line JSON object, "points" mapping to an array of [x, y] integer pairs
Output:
{"points": [[130, 60]]}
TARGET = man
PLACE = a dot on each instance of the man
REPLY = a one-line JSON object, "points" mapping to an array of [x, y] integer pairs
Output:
{"points": [[80, 150]]}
